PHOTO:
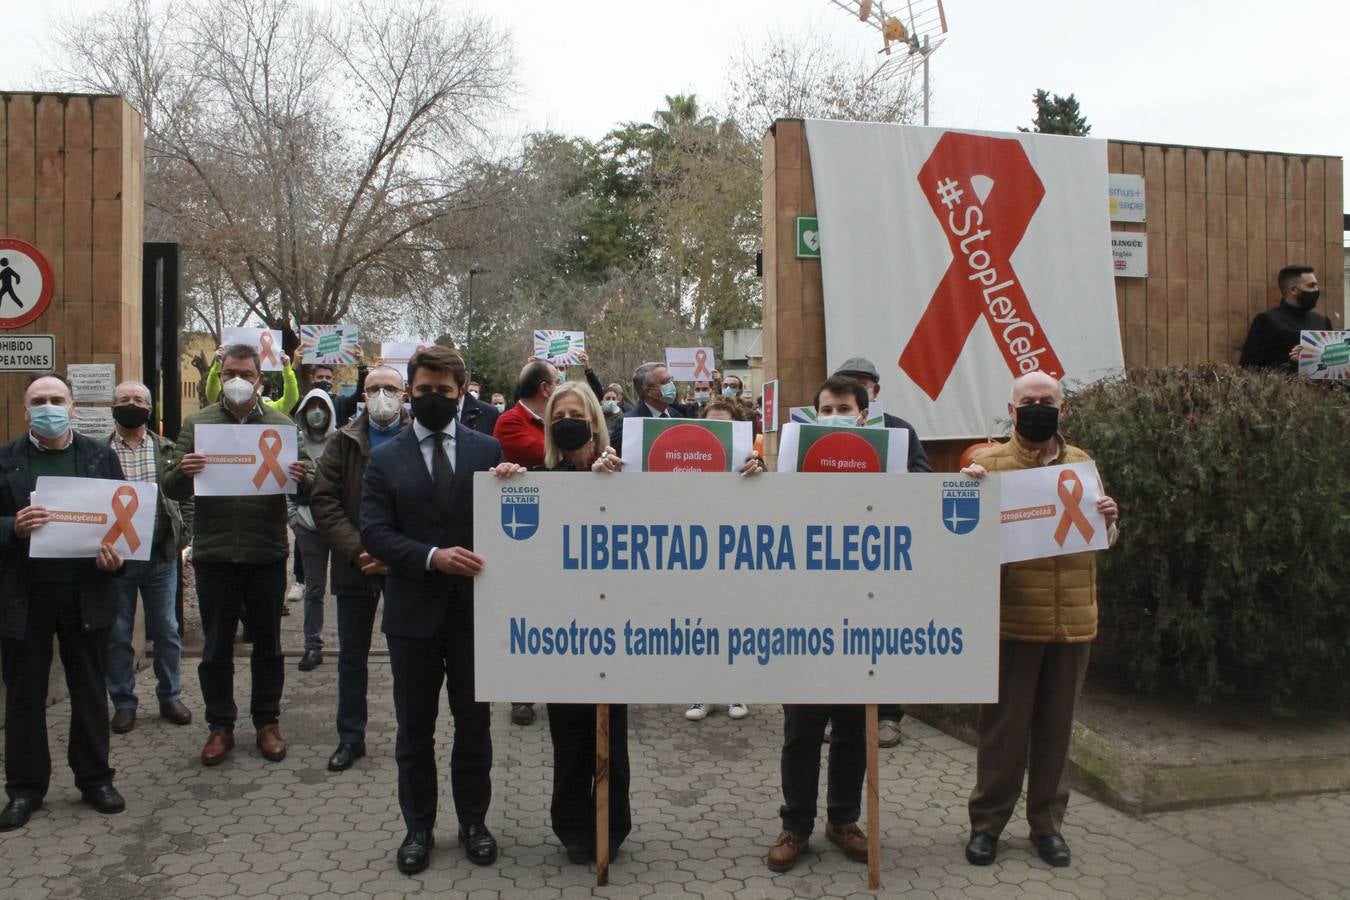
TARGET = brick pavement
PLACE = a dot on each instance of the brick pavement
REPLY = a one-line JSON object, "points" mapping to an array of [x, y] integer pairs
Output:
{"points": [[705, 799]]}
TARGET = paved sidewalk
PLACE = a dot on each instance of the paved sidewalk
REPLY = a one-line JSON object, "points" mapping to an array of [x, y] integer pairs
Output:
{"points": [[705, 800]]}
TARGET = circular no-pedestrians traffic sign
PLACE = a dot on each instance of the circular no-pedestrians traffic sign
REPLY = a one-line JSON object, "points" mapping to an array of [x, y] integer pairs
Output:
{"points": [[26, 283]]}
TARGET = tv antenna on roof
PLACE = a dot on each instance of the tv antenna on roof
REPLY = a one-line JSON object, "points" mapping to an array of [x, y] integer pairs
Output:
{"points": [[918, 31]]}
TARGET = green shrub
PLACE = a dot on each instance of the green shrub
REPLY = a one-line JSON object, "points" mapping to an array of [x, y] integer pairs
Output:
{"points": [[1231, 577]]}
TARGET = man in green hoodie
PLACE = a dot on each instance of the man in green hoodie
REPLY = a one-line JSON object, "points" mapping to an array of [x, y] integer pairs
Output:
{"points": [[239, 552]]}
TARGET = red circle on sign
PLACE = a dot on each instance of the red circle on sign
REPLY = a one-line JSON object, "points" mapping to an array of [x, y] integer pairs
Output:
{"points": [[842, 446], [671, 448], [32, 309]]}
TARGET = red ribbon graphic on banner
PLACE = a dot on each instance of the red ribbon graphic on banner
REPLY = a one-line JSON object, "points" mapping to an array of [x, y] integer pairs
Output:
{"points": [[122, 513], [266, 348], [1070, 497], [701, 364], [269, 442], [984, 191]]}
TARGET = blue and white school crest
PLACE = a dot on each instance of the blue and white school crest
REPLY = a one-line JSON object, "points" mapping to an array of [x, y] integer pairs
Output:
{"points": [[520, 512], [961, 505]]}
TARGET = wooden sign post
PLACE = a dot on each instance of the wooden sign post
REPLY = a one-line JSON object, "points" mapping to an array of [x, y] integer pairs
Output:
{"points": [[873, 802], [601, 794]]}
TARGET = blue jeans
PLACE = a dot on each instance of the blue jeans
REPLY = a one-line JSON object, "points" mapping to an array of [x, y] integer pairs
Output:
{"points": [[313, 549], [356, 622], [157, 583]]}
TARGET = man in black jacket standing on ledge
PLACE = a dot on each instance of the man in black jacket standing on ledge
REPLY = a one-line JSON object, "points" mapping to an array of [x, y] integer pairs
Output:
{"points": [[1273, 339], [74, 600], [417, 518]]}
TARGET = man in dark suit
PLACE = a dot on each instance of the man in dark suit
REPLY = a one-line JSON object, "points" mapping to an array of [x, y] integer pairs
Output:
{"points": [[654, 388], [74, 600], [475, 414], [417, 517]]}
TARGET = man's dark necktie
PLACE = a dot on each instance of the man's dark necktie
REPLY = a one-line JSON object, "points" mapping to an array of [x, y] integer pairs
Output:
{"points": [[440, 466]]}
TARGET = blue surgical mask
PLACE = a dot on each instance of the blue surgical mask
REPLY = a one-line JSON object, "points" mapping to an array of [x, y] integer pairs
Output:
{"points": [[668, 392], [729, 392], [49, 421], [610, 407], [837, 421]]}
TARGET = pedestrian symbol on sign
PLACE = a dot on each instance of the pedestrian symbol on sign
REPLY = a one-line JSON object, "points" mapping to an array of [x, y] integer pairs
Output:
{"points": [[26, 283], [9, 278]]}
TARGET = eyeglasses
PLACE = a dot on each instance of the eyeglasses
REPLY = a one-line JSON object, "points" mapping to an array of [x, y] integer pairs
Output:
{"points": [[385, 391]]}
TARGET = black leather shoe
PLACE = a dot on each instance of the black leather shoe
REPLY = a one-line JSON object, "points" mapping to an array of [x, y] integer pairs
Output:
{"points": [[174, 711], [415, 852], [310, 660], [1053, 849], [124, 720], [579, 854], [104, 798], [982, 848], [16, 812], [478, 843], [344, 756]]}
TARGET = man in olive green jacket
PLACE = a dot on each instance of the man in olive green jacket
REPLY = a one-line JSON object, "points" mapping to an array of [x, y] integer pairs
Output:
{"points": [[239, 552], [1047, 620]]}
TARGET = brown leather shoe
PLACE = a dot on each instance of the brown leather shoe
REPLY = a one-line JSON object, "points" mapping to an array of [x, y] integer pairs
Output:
{"points": [[271, 744], [218, 746], [123, 720], [850, 839], [785, 851], [174, 711]]}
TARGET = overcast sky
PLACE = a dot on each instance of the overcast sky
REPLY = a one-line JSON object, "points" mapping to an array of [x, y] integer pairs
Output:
{"points": [[1221, 73]]}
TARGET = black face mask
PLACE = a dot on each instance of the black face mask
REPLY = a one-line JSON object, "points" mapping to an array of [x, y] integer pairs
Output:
{"points": [[1037, 423], [1308, 299], [434, 411], [129, 416], [571, 434]]}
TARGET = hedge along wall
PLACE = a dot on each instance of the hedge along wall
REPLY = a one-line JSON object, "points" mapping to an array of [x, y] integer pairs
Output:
{"points": [[1220, 224]]}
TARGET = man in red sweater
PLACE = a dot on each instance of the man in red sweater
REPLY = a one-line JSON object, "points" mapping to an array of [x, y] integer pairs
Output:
{"points": [[520, 430]]}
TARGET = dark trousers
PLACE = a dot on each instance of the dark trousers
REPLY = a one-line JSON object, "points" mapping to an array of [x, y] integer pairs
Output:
{"points": [[803, 732], [1038, 685], [356, 622], [420, 666], [572, 726], [54, 611], [227, 592]]}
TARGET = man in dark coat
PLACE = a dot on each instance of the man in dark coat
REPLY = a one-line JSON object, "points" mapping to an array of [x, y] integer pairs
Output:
{"points": [[73, 600]]}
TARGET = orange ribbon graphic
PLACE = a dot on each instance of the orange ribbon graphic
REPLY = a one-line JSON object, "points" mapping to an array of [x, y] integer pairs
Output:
{"points": [[1073, 513], [701, 364], [266, 348], [125, 502], [269, 442]]}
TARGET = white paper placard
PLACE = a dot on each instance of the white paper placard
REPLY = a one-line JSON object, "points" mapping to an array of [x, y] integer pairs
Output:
{"points": [[92, 382], [89, 512], [329, 344], [1051, 511], [1324, 355], [838, 449], [395, 352], [245, 460], [267, 341], [685, 445], [691, 363], [774, 589]]}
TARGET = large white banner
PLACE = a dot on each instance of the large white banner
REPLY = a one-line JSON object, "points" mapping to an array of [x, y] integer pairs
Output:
{"points": [[780, 588], [958, 260]]}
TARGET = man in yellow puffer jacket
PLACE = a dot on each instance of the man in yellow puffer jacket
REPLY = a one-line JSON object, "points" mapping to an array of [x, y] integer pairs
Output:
{"points": [[1047, 621]]}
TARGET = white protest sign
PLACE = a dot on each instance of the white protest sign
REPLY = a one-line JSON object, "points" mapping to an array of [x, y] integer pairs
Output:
{"points": [[685, 445], [393, 352], [332, 344], [773, 589], [1051, 511], [89, 512], [245, 460], [691, 363], [1324, 355], [562, 348], [830, 448], [267, 341]]}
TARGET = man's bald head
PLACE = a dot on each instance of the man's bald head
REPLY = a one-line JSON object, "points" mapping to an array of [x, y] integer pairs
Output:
{"points": [[1037, 387]]}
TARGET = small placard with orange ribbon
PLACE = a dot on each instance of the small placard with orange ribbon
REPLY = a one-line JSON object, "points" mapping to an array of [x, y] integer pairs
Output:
{"points": [[267, 341], [89, 512], [691, 363], [245, 460], [1051, 511]]}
